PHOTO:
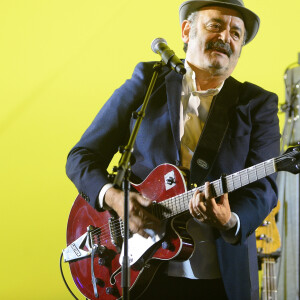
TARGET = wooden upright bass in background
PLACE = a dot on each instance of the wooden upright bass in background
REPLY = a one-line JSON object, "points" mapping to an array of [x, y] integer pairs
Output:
{"points": [[268, 244]]}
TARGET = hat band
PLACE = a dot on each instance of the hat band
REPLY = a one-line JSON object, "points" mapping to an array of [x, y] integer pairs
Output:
{"points": [[230, 2]]}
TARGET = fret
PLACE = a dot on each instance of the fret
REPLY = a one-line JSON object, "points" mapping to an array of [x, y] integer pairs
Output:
{"points": [[245, 177], [264, 174], [261, 172], [236, 180], [216, 190], [220, 187], [252, 174], [230, 184], [270, 166]]}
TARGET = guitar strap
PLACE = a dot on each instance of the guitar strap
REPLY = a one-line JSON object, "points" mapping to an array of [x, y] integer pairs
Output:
{"points": [[214, 131]]}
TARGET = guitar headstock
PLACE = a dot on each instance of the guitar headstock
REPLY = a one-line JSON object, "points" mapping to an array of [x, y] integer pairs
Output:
{"points": [[289, 161], [267, 234]]}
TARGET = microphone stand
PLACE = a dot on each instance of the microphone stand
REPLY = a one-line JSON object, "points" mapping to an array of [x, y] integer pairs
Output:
{"points": [[122, 176]]}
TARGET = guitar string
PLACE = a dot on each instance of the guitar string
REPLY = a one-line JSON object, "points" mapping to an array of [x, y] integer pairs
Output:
{"points": [[257, 168], [268, 271], [270, 289], [176, 198], [265, 273], [119, 223], [268, 281], [273, 271], [271, 267]]}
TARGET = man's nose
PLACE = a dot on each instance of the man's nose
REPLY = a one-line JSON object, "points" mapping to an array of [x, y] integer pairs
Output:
{"points": [[225, 36]]}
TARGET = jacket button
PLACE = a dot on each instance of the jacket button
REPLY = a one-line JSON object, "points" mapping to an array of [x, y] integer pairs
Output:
{"points": [[84, 196]]}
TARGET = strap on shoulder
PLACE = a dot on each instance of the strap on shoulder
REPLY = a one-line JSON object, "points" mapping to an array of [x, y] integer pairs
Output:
{"points": [[214, 131]]}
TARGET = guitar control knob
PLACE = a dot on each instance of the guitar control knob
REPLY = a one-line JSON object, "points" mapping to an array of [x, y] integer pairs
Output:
{"points": [[111, 291], [100, 282], [102, 250], [102, 261], [167, 245]]}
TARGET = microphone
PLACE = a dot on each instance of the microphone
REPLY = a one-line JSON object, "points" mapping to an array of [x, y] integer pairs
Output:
{"points": [[160, 46]]}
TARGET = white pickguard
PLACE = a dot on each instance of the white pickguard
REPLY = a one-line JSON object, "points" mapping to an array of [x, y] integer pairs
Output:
{"points": [[138, 245]]}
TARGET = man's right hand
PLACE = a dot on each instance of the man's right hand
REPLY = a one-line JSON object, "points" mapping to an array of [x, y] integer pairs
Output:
{"points": [[139, 218]]}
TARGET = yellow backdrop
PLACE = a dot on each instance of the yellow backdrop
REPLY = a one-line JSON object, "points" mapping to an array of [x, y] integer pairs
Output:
{"points": [[60, 60]]}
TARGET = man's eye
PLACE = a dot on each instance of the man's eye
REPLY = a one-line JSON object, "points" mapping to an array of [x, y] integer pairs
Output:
{"points": [[214, 26], [236, 35]]}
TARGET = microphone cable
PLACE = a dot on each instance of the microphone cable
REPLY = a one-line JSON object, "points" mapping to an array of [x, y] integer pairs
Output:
{"points": [[63, 277]]}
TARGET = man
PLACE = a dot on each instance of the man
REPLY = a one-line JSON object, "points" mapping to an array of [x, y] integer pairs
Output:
{"points": [[179, 117]]}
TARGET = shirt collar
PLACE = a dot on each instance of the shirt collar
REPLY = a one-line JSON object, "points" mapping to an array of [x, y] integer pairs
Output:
{"points": [[189, 82]]}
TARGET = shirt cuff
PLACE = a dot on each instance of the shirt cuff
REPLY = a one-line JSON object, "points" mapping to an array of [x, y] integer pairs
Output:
{"points": [[102, 194], [232, 228]]}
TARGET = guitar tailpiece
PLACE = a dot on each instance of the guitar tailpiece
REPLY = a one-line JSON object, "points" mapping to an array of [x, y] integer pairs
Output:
{"points": [[94, 281]]}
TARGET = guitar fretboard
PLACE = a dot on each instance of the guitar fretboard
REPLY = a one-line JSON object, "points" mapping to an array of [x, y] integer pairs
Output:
{"points": [[179, 204]]}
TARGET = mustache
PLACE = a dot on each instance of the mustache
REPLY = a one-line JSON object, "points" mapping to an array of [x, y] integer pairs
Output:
{"points": [[219, 46]]}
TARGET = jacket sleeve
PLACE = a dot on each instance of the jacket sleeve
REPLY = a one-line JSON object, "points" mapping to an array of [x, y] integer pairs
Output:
{"points": [[254, 202], [89, 158]]}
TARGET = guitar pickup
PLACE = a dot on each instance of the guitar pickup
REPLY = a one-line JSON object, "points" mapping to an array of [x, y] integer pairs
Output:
{"points": [[116, 229]]}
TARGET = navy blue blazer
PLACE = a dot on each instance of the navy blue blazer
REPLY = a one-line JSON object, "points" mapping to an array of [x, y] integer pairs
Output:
{"points": [[253, 136]]}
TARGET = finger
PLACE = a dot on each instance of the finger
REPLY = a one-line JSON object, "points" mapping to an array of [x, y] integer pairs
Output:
{"points": [[136, 226], [196, 204], [144, 201], [224, 199], [146, 219], [222, 202], [192, 203], [151, 222], [197, 213], [193, 208], [203, 218], [202, 203], [207, 191]]}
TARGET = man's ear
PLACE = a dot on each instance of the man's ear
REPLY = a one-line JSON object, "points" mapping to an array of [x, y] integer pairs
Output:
{"points": [[185, 31]]}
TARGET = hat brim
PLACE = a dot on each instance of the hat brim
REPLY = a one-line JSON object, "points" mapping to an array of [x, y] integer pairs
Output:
{"points": [[251, 20]]}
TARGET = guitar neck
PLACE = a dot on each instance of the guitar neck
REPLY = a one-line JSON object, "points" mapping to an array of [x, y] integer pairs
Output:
{"points": [[269, 288], [245, 177], [179, 204]]}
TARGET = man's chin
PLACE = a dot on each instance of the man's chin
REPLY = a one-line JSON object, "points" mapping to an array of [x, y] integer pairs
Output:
{"points": [[216, 67]]}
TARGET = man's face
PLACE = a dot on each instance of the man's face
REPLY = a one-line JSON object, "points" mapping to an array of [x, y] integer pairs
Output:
{"points": [[215, 41]]}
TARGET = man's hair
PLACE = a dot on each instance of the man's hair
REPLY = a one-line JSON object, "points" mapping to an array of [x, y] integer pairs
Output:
{"points": [[192, 18]]}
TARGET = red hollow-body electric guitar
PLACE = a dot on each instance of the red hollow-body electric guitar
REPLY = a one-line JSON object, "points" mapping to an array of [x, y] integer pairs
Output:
{"points": [[94, 239]]}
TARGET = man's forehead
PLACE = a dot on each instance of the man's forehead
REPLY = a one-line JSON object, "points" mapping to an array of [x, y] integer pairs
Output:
{"points": [[222, 13]]}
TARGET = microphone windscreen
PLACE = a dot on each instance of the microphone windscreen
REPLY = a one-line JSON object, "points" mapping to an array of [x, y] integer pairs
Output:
{"points": [[155, 42]]}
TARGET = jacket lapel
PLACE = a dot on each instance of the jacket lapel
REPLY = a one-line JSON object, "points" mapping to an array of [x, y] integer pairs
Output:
{"points": [[173, 89]]}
